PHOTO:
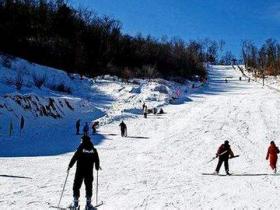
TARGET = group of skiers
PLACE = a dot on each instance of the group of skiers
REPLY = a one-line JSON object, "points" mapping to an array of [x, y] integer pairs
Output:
{"points": [[86, 127], [147, 111], [224, 153], [240, 78]]}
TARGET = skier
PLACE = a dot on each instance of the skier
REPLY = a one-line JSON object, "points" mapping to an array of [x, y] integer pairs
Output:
{"points": [[272, 152], [21, 124], [86, 157], [154, 110], [123, 129], [161, 111], [223, 153], [143, 106], [240, 78], [249, 79], [94, 126], [145, 112], [11, 128], [226, 80], [78, 123], [86, 129]]}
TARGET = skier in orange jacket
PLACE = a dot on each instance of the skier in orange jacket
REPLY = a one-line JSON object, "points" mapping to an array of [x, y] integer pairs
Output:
{"points": [[272, 152]]}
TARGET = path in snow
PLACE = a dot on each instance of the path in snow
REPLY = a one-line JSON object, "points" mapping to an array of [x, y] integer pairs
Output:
{"points": [[159, 165]]}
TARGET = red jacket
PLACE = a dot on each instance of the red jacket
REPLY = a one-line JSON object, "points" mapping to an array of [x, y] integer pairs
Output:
{"points": [[272, 152], [224, 151]]}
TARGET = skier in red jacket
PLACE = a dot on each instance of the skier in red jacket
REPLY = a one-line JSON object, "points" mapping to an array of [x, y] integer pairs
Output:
{"points": [[224, 152], [272, 152]]}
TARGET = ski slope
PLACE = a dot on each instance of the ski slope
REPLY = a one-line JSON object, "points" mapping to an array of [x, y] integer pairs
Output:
{"points": [[159, 164]]}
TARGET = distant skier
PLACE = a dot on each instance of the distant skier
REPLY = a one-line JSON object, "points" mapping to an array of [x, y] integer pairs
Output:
{"points": [[78, 124], [123, 129], [145, 112], [154, 110], [86, 157], [224, 152], [11, 128], [161, 111], [94, 126], [21, 124], [249, 79], [240, 78], [272, 152], [226, 80], [143, 106], [86, 129]]}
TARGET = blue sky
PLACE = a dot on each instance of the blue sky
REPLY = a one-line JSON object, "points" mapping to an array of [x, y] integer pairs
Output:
{"points": [[232, 21]]}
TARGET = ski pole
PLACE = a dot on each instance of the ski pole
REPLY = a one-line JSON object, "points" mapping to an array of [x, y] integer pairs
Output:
{"points": [[97, 187], [63, 188], [217, 156]]}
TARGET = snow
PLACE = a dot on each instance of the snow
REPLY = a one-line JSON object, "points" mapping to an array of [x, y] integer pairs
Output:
{"points": [[160, 164]]}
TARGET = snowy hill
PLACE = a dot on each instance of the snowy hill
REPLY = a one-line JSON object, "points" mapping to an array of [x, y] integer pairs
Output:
{"points": [[51, 101], [160, 164]]}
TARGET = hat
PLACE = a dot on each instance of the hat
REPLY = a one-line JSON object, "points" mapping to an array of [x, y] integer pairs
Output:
{"points": [[226, 142]]}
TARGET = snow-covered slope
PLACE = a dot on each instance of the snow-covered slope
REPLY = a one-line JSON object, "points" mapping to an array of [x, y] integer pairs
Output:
{"points": [[159, 164], [51, 110]]}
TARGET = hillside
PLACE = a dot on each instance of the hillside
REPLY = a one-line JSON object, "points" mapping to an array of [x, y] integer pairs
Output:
{"points": [[51, 111], [159, 164]]}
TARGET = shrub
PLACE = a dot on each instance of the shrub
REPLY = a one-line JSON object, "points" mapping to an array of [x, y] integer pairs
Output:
{"points": [[39, 80], [19, 80], [61, 87]]}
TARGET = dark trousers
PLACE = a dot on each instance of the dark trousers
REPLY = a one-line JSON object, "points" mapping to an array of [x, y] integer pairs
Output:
{"points": [[221, 160], [123, 132], [79, 178], [77, 130]]}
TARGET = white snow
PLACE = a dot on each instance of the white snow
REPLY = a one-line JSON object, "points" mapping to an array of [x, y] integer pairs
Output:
{"points": [[159, 165]]}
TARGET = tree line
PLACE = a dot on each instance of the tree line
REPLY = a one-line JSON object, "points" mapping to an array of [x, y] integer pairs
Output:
{"points": [[52, 33], [264, 60]]}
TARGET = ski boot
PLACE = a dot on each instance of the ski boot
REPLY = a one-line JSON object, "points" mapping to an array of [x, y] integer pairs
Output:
{"points": [[75, 205], [228, 174], [89, 206]]}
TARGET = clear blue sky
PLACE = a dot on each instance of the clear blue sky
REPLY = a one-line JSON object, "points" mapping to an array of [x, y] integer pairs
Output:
{"points": [[232, 21]]}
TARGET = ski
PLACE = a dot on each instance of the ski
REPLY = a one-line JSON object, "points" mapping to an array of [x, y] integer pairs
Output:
{"points": [[100, 204], [94, 207], [65, 208], [214, 174]]}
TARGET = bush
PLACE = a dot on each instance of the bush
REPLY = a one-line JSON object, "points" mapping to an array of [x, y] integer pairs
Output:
{"points": [[19, 80], [39, 80], [6, 61], [61, 87]]}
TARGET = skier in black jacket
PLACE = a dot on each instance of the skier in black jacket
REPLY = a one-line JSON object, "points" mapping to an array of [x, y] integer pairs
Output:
{"points": [[85, 156], [123, 129]]}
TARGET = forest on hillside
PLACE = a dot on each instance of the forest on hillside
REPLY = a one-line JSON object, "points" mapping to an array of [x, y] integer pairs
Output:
{"points": [[264, 60], [52, 33]]}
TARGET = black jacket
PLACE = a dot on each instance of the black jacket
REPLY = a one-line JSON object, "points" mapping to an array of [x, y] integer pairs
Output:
{"points": [[86, 156], [122, 125]]}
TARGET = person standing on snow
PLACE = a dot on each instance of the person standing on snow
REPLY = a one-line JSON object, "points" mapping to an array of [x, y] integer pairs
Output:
{"points": [[123, 129], [224, 153], [78, 124], [272, 152], [86, 157], [86, 129], [145, 111]]}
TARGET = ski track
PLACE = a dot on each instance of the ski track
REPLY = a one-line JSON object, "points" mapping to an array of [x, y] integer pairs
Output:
{"points": [[160, 165]]}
